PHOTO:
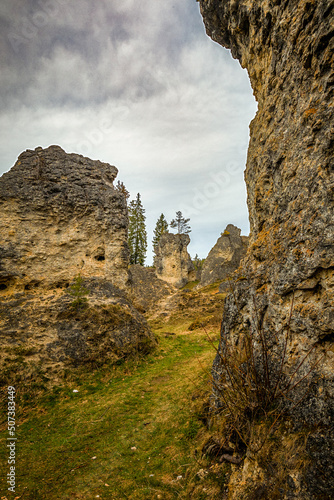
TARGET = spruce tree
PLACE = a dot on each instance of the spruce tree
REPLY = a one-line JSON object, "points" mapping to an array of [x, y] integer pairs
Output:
{"points": [[180, 223], [137, 232], [122, 189], [160, 228]]}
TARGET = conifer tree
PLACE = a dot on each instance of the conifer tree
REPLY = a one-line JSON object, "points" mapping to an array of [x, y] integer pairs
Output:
{"points": [[161, 227], [180, 223], [137, 232], [122, 189]]}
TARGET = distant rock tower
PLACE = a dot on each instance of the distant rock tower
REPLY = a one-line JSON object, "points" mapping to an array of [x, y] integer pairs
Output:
{"points": [[224, 258], [172, 261]]}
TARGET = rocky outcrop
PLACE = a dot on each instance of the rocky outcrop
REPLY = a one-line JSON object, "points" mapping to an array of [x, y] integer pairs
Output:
{"points": [[146, 290], [60, 215], [172, 261], [287, 49], [224, 258], [44, 333]]}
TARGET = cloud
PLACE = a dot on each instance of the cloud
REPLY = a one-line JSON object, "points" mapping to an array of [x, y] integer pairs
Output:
{"points": [[135, 84]]}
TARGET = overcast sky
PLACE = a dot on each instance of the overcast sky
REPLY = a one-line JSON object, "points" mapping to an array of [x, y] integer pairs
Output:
{"points": [[136, 84]]}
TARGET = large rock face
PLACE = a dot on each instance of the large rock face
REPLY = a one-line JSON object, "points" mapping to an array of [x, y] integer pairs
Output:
{"points": [[60, 215], [146, 290], [43, 334], [224, 258], [287, 48], [172, 261]]}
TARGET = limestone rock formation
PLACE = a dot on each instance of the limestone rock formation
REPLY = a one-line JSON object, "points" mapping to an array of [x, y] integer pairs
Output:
{"points": [[287, 48], [60, 215], [172, 261], [42, 333], [146, 290], [224, 258]]}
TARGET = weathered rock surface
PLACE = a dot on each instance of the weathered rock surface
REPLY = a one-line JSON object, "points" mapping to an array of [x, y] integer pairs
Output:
{"points": [[172, 261], [60, 215], [287, 48], [224, 258], [42, 333], [146, 290]]}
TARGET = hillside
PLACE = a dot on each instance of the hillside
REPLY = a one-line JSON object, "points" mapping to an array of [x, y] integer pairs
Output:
{"points": [[131, 430]]}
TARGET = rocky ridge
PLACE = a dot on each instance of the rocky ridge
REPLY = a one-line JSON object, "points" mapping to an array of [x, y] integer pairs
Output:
{"points": [[287, 48]]}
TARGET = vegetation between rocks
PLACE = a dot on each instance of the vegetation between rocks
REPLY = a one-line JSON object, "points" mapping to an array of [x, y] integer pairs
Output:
{"points": [[133, 429]]}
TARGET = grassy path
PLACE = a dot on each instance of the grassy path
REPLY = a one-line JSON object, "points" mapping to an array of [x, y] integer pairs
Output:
{"points": [[128, 433]]}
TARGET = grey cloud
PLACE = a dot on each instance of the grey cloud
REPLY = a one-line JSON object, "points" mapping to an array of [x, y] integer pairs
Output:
{"points": [[113, 49], [135, 84]]}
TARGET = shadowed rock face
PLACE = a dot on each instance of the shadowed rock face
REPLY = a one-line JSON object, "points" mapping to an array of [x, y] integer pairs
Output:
{"points": [[172, 261], [51, 335], [287, 48], [60, 215], [146, 290]]}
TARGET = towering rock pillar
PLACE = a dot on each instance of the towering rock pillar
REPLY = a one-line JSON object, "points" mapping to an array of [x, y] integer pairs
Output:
{"points": [[172, 261], [61, 216], [287, 48]]}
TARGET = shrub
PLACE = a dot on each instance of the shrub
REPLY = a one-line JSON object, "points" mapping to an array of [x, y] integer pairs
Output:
{"points": [[254, 386], [78, 292]]}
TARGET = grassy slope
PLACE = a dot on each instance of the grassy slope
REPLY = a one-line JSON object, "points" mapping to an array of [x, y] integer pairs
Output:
{"points": [[78, 445]]}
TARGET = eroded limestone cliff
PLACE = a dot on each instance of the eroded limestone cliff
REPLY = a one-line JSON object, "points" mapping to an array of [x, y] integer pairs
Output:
{"points": [[60, 217], [287, 48]]}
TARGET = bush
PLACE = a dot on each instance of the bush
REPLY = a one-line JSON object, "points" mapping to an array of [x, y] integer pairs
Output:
{"points": [[78, 292], [255, 386]]}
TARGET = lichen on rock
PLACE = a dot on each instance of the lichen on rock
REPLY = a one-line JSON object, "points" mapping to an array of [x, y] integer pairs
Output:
{"points": [[287, 48]]}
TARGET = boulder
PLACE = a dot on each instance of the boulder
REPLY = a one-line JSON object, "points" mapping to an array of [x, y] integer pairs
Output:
{"points": [[146, 290], [63, 231], [45, 334]]}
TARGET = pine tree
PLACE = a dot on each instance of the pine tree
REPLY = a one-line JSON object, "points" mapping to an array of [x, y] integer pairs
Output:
{"points": [[137, 232], [198, 263], [78, 292], [122, 189], [160, 228], [180, 223]]}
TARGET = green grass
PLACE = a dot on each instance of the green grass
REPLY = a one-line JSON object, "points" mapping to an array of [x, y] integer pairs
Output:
{"points": [[79, 445], [190, 285]]}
